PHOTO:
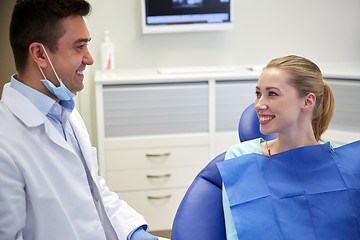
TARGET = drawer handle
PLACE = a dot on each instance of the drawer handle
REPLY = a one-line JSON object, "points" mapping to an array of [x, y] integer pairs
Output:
{"points": [[159, 176], [159, 198], [158, 155]]}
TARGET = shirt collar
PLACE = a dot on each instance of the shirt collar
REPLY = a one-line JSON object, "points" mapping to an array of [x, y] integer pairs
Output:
{"points": [[40, 100]]}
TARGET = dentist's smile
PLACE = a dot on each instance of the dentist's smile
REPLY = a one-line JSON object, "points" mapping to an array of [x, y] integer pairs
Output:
{"points": [[80, 73]]}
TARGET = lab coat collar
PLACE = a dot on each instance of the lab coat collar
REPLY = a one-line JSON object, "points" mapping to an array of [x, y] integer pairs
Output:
{"points": [[26, 112], [31, 117], [16, 103]]}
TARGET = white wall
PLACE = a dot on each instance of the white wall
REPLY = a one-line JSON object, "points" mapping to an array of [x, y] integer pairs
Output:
{"points": [[322, 30]]}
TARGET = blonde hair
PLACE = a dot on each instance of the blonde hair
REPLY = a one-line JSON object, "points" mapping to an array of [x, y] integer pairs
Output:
{"points": [[306, 77]]}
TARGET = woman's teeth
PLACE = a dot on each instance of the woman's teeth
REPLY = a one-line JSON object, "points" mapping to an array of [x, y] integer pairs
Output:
{"points": [[265, 118]]}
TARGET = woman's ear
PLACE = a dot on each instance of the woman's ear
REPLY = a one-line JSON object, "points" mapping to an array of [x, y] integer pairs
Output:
{"points": [[37, 54], [309, 102]]}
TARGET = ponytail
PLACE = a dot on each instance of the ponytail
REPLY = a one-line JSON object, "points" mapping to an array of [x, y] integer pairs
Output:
{"points": [[324, 112]]}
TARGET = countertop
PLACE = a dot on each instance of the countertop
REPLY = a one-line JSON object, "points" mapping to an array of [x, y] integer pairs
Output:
{"points": [[203, 73]]}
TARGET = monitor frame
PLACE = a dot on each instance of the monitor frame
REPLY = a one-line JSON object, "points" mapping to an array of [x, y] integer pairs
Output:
{"points": [[185, 27]]}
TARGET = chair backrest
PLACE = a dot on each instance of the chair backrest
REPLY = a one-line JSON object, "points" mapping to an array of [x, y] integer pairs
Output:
{"points": [[200, 214]]}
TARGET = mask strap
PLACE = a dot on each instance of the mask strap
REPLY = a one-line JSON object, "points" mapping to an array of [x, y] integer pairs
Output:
{"points": [[50, 65], [42, 72]]}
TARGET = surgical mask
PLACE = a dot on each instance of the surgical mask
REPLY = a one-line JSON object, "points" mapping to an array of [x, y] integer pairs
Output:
{"points": [[61, 92]]}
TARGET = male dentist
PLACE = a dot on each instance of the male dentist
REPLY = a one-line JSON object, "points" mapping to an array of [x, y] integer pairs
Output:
{"points": [[49, 183]]}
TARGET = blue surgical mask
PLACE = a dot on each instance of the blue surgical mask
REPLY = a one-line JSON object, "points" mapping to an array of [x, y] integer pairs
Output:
{"points": [[61, 92]]}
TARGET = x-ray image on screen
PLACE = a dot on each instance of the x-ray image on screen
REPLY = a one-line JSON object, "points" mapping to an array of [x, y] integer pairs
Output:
{"points": [[187, 3]]}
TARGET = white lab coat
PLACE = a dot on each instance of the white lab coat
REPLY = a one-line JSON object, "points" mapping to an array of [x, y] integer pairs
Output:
{"points": [[44, 192]]}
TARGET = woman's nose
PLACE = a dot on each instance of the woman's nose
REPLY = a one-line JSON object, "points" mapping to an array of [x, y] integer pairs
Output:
{"points": [[260, 104]]}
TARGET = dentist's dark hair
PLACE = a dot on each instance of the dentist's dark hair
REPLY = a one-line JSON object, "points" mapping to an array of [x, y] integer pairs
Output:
{"points": [[307, 78], [40, 21]]}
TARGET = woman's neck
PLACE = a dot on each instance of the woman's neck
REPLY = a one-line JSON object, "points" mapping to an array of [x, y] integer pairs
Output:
{"points": [[290, 141]]}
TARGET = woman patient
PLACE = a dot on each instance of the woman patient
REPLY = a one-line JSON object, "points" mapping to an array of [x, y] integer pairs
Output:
{"points": [[294, 187]]}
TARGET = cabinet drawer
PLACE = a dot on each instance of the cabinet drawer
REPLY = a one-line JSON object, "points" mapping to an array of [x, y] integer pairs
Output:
{"points": [[158, 108], [158, 207], [150, 179], [161, 157]]}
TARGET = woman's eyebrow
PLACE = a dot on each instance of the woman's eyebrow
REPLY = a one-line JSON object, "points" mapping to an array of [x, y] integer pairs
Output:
{"points": [[268, 88]]}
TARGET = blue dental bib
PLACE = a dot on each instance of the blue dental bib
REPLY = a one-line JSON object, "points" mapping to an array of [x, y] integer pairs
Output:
{"points": [[308, 193]]}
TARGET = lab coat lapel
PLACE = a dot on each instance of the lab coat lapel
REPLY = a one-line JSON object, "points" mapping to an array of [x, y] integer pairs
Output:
{"points": [[83, 139], [56, 137]]}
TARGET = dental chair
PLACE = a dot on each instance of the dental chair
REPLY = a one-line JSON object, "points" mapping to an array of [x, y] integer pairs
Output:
{"points": [[200, 214]]}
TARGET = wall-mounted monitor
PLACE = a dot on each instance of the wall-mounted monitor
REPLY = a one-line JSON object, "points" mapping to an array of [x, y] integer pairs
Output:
{"points": [[164, 16]]}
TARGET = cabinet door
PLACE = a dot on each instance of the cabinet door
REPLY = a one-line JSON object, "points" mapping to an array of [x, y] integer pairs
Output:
{"points": [[232, 97], [347, 105], [157, 206], [153, 109]]}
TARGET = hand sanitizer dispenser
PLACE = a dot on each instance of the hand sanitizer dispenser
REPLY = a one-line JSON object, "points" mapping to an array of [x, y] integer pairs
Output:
{"points": [[107, 53]]}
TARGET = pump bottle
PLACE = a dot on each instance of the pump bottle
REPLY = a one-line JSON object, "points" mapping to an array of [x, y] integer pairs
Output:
{"points": [[107, 53]]}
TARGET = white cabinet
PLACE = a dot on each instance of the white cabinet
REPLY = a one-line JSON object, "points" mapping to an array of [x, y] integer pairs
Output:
{"points": [[157, 131], [151, 173], [231, 98], [344, 126], [347, 104]]}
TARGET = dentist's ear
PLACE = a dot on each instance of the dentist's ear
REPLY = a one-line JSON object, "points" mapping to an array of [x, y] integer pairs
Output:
{"points": [[37, 54]]}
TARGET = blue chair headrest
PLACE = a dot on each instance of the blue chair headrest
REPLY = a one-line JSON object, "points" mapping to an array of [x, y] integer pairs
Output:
{"points": [[249, 126]]}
